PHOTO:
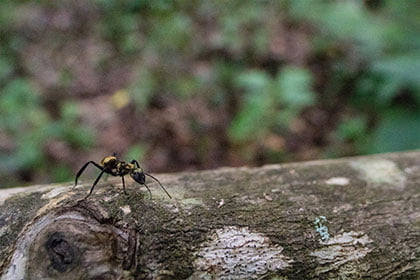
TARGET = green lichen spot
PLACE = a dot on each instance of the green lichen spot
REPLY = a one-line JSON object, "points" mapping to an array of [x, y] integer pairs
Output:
{"points": [[321, 228]]}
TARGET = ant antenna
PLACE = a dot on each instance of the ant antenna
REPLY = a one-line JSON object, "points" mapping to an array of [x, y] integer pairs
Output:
{"points": [[159, 184]]}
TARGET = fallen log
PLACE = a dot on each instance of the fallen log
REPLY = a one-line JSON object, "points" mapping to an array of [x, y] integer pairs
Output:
{"points": [[351, 218]]}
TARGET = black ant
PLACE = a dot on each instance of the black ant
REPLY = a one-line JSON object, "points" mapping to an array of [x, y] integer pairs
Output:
{"points": [[113, 166]]}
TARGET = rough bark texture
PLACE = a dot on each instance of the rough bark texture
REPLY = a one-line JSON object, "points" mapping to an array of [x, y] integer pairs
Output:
{"points": [[350, 218]]}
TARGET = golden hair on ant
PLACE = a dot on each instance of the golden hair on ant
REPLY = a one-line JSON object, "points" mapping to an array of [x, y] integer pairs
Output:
{"points": [[115, 167]]}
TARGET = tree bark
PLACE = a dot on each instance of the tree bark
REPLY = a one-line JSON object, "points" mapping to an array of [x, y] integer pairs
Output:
{"points": [[352, 218]]}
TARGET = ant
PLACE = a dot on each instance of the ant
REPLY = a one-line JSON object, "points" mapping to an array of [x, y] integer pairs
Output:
{"points": [[113, 166]]}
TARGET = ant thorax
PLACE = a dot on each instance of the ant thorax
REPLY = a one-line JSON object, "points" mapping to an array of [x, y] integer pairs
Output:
{"points": [[110, 162], [124, 168]]}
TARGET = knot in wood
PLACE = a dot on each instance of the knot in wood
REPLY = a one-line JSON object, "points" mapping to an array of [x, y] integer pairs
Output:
{"points": [[62, 254], [72, 244]]}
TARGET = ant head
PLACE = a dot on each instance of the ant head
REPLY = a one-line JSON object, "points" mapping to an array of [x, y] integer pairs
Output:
{"points": [[138, 176]]}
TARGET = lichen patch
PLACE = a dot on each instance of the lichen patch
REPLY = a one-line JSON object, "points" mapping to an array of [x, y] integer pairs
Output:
{"points": [[342, 248], [321, 228], [54, 192], [238, 253], [380, 172], [338, 181], [125, 209]]}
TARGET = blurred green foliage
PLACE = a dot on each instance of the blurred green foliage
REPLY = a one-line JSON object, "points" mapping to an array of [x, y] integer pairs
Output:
{"points": [[28, 126], [270, 103], [339, 76], [383, 61]]}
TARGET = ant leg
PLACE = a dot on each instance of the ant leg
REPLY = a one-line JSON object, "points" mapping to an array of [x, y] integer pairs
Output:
{"points": [[159, 184], [150, 193], [94, 184], [122, 177], [83, 169]]}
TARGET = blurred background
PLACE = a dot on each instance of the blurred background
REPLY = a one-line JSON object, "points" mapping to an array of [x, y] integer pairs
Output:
{"points": [[190, 85]]}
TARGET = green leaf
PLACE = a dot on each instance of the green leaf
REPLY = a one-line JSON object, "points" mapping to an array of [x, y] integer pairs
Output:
{"points": [[18, 95], [69, 111], [402, 68], [172, 33], [294, 88], [252, 120], [254, 82], [351, 129], [29, 151], [345, 20], [398, 130]]}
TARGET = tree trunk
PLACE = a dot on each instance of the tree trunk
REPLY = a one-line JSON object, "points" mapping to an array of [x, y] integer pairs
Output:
{"points": [[350, 218]]}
